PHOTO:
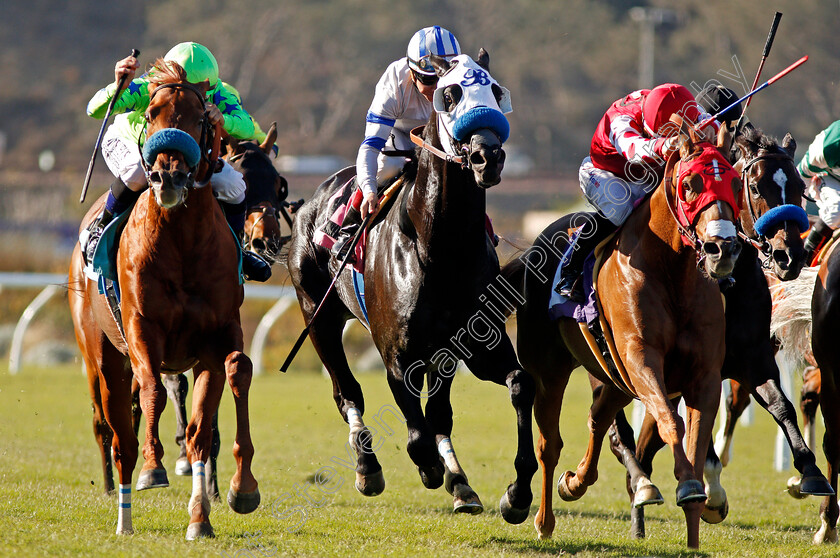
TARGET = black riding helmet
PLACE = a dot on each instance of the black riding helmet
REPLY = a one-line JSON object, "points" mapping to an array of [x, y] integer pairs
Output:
{"points": [[714, 98]]}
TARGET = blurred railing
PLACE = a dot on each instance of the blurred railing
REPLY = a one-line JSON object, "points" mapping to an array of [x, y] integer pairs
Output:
{"points": [[54, 283]]}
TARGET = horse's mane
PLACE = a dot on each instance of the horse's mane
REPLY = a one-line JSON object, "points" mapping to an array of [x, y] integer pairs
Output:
{"points": [[166, 71], [757, 138]]}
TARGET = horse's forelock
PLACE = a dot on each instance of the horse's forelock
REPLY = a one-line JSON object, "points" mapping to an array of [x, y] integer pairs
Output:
{"points": [[759, 140], [166, 71]]}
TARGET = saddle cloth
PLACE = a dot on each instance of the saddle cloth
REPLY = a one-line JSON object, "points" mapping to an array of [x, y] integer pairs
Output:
{"points": [[326, 234]]}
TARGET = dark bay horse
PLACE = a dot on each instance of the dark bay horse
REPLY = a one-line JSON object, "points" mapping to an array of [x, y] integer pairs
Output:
{"points": [[770, 222], [180, 297], [665, 311], [428, 268]]}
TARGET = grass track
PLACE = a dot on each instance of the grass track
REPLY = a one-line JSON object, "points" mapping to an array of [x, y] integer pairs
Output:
{"points": [[51, 502]]}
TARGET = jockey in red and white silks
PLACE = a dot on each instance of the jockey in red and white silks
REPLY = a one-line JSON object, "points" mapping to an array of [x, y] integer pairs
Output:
{"points": [[627, 157]]}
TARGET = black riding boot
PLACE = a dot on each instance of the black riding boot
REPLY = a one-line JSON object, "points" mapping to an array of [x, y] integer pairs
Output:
{"points": [[818, 236], [595, 229], [254, 267], [349, 228]]}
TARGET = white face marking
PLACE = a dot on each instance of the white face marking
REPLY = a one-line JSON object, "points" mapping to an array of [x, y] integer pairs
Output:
{"points": [[717, 171], [780, 178]]}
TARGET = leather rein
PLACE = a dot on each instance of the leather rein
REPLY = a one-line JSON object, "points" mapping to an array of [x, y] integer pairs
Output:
{"points": [[417, 139]]}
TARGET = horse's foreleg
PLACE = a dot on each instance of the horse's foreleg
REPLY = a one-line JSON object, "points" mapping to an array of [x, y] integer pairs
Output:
{"points": [[116, 403], [207, 393], [101, 430], [244, 494], [177, 386], [809, 401], [770, 396], [701, 402], [439, 417], [608, 401], [152, 401]]}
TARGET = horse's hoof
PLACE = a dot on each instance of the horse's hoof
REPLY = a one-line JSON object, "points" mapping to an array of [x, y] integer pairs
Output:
{"points": [[715, 514], [152, 478], [183, 467], [690, 491], [512, 515], [243, 502], [432, 477], [465, 500], [372, 484], [647, 495], [200, 531], [814, 486], [563, 488], [794, 488]]}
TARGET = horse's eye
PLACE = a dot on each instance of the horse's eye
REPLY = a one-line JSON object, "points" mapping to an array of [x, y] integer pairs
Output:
{"points": [[451, 97]]}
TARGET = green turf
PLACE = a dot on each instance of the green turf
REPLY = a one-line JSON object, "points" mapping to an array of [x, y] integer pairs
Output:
{"points": [[51, 500]]}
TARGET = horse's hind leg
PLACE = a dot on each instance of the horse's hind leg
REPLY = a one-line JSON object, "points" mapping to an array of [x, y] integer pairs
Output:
{"points": [[207, 393], [571, 486], [809, 402], [736, 403], [548, 401], [177, 386], [325, 335], [101, 430], [500, 365]]}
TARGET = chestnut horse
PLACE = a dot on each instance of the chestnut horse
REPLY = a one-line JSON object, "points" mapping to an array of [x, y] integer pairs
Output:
{"points": [[771, 200], [429, 265], [666, 317], [180, 297]]}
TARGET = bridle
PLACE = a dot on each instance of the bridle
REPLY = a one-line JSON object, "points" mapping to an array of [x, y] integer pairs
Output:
{"points": [[210, 158], [417, 139], [760, 243]]}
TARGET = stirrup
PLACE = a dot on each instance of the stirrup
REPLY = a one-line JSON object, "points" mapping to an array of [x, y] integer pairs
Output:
{"points": [[571, 287], [90, 237], [342, 245]]}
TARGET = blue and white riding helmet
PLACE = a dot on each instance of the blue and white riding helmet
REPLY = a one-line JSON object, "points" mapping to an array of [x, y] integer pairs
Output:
{"points": [[477, 106], [430, 40]]}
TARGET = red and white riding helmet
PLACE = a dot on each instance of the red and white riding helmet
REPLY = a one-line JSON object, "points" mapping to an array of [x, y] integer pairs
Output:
{"points": [[664, 101]]}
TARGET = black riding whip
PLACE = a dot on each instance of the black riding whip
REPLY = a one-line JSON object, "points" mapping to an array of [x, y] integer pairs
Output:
{"points": [[344, 261], [120, 84], [767, 45]]}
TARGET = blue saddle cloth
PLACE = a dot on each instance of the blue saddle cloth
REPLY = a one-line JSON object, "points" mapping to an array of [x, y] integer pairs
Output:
{"points": [[104, 264], [359, 290]]}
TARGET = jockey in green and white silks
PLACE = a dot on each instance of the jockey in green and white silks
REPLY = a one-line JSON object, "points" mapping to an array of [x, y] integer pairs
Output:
{"points": [[123, 156], [821, 164]]}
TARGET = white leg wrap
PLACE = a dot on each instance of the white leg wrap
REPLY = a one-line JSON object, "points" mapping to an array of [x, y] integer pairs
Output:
{"points": [[199, 490], [447, 452], [124, 526], [354, 419]]}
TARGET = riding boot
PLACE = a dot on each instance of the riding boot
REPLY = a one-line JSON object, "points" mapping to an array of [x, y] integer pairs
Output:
{"points": [[254, 266], [820, 233], [120, 198], [595, 229], [349, 228]]}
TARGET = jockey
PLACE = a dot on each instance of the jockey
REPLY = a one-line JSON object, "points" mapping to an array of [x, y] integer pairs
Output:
{"points": [[821, 164], [714, 98], [121, 140], [402, 101], [626, 161]]}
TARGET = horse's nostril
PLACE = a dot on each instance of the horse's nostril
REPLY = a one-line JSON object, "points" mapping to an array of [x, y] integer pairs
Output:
{"points": [[477, 158], [258, 244], [711, 248], [155, 177]]}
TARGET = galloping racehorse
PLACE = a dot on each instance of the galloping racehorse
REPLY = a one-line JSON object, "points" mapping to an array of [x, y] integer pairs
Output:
{"points": [[428, 266], [660, 297], [180, 295], [771, 199]]}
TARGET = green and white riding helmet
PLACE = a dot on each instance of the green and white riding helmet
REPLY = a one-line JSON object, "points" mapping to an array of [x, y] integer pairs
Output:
{"points": [[197, 60]]}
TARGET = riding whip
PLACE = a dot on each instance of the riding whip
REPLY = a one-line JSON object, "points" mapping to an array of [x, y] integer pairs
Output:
{"points": [[120, 84], [344, 261], [773, 79], [767, 45]]}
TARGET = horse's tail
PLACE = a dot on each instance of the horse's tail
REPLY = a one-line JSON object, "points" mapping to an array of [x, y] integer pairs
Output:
{"points": [[791, 320], [513, 273]]}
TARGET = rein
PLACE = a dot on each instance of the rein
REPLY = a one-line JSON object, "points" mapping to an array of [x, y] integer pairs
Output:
{"points": [[689, 233], [418, 140]]}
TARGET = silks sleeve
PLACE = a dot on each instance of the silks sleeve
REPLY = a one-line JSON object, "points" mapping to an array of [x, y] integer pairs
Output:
{"points": [[238, 123], [134, 97]]}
